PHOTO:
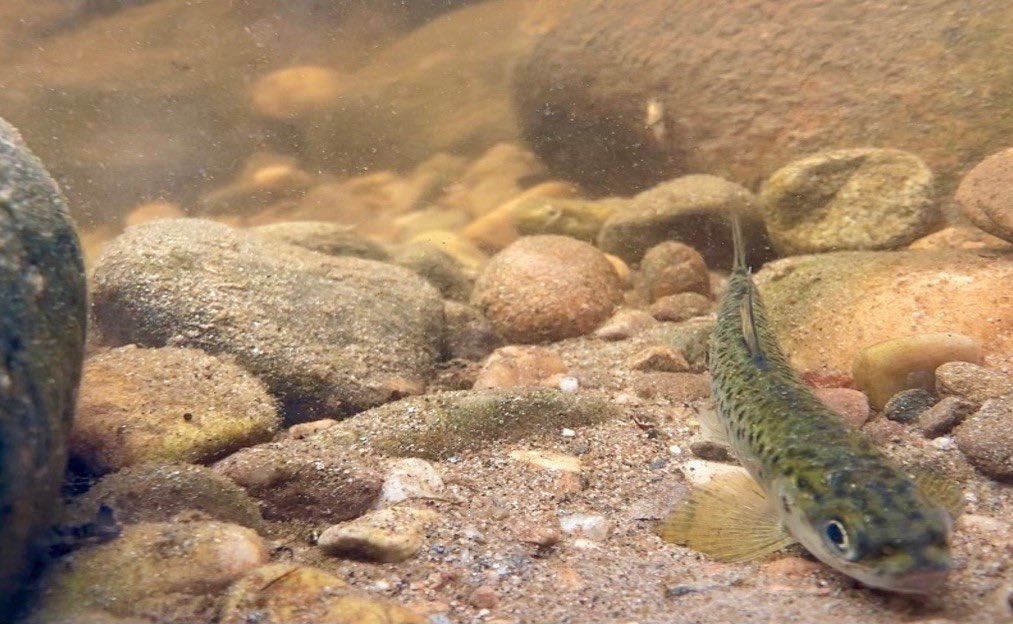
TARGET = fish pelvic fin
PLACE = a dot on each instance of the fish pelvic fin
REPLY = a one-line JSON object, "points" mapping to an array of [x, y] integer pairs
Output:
{"points": [[729, 519]]}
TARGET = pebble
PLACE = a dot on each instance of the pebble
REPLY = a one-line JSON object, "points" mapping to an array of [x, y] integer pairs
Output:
{"points": [[167, 405], [496, 229], [455, 245], [519, 365], [972, 382], [577, 218], [853, 199], [942, 417], [470, 336], [711, 450], [852, 405], [884, 369], [283, 592], [306, 429], [907, 405], [592, 526], [986, 194], [293, 92], [495, 177], [333, 239], [691, 209], [327, 335], [386, 536], [546, 288], [568, 385], [958, 237], [624, 324], [538, 534], [658, 359], [670, 268], [986, 438], [410, 477], [484, 597], [680, 307], [155, 570], [158, 492], [315, 479], [549, 460]]}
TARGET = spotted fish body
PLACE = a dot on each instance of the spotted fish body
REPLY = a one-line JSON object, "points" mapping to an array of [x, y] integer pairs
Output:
{"points": [[820, 480]]}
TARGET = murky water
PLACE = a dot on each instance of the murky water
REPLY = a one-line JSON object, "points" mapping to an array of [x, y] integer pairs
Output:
{"points": [[399, 311]]}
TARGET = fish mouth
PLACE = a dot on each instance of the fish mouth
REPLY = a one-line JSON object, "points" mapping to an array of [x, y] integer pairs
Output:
{"points": [[914, 582]]}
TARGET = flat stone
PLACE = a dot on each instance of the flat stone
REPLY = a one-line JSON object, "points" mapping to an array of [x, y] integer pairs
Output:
{"points": [[387, 536], [972, 382], [907, 405], [942, 417], [547, 460]]}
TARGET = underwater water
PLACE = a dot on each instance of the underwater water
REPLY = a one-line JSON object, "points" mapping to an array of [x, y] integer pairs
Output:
{"points": [[333, 311]]}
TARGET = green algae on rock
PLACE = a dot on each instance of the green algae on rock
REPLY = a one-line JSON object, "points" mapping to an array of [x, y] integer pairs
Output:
{"points": [[167, 405], [157, 492], [438, 426], [42, 335]]}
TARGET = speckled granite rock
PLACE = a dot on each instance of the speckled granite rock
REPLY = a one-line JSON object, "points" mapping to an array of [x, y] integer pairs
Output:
{"points": [[42, 326], [328, 335]]}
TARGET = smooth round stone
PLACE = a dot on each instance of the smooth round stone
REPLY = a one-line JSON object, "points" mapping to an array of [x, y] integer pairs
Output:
{"points": [[972, 382], [856, 199], [671, 268], [986, 194], [942, 417], [986, 439], [680, 307], [852, 405], [546, 288], [882, 370]]}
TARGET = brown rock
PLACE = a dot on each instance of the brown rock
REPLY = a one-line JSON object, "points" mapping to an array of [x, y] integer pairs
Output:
{"points": [[519, 366], [851, 300], [956, 237], [545, 288], [986, 439], [942, 417], [676, 387], [659, 359], [484, 597], [597, 99], [986, 194], [387, 536], [495, 229], [852, 405], [543, 535], [306, 429], [711, 450], [669, 268], [972, 382], [167, 405], [624, 324], [680, 307]]}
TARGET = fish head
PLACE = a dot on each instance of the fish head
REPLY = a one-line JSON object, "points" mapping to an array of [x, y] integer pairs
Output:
{"points": [[877, 528]]}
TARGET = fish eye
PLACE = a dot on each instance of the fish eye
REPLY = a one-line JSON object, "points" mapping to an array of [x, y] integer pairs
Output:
{"points": [[836, 535]]}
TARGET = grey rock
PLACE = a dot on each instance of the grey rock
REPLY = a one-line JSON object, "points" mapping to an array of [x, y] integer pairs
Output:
{"points": [[42, 331], [942, 417], [986, 439], [470, 336], [333, 239], [907, 405], [850, 200], [328, 335], [680, 307], [693, 210], [440, 269]]}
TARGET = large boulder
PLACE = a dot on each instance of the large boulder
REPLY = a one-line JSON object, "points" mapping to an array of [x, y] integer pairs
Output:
{"points": [[622, 94], [42, 326], [329, 335]]}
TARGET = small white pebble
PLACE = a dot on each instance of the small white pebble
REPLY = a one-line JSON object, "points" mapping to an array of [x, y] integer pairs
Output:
{"points": [[944, 443], [568, 433], [624, 398], [569, 384], [675, 450]]}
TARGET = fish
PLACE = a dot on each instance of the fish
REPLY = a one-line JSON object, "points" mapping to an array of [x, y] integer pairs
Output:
{"points": [[810, 477]]}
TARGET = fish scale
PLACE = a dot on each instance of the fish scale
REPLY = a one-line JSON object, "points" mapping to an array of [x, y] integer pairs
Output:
{"points": [[820, 481]]}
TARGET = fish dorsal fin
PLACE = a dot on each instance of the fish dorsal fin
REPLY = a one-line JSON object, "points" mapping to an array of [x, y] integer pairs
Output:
{"points": [[940, 489], [729, 519], [749, 334]]}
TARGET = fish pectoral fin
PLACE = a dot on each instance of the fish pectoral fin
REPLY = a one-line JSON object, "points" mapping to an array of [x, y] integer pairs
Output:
{"points": [[710, 423], [729, 519], [940, 489]]}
